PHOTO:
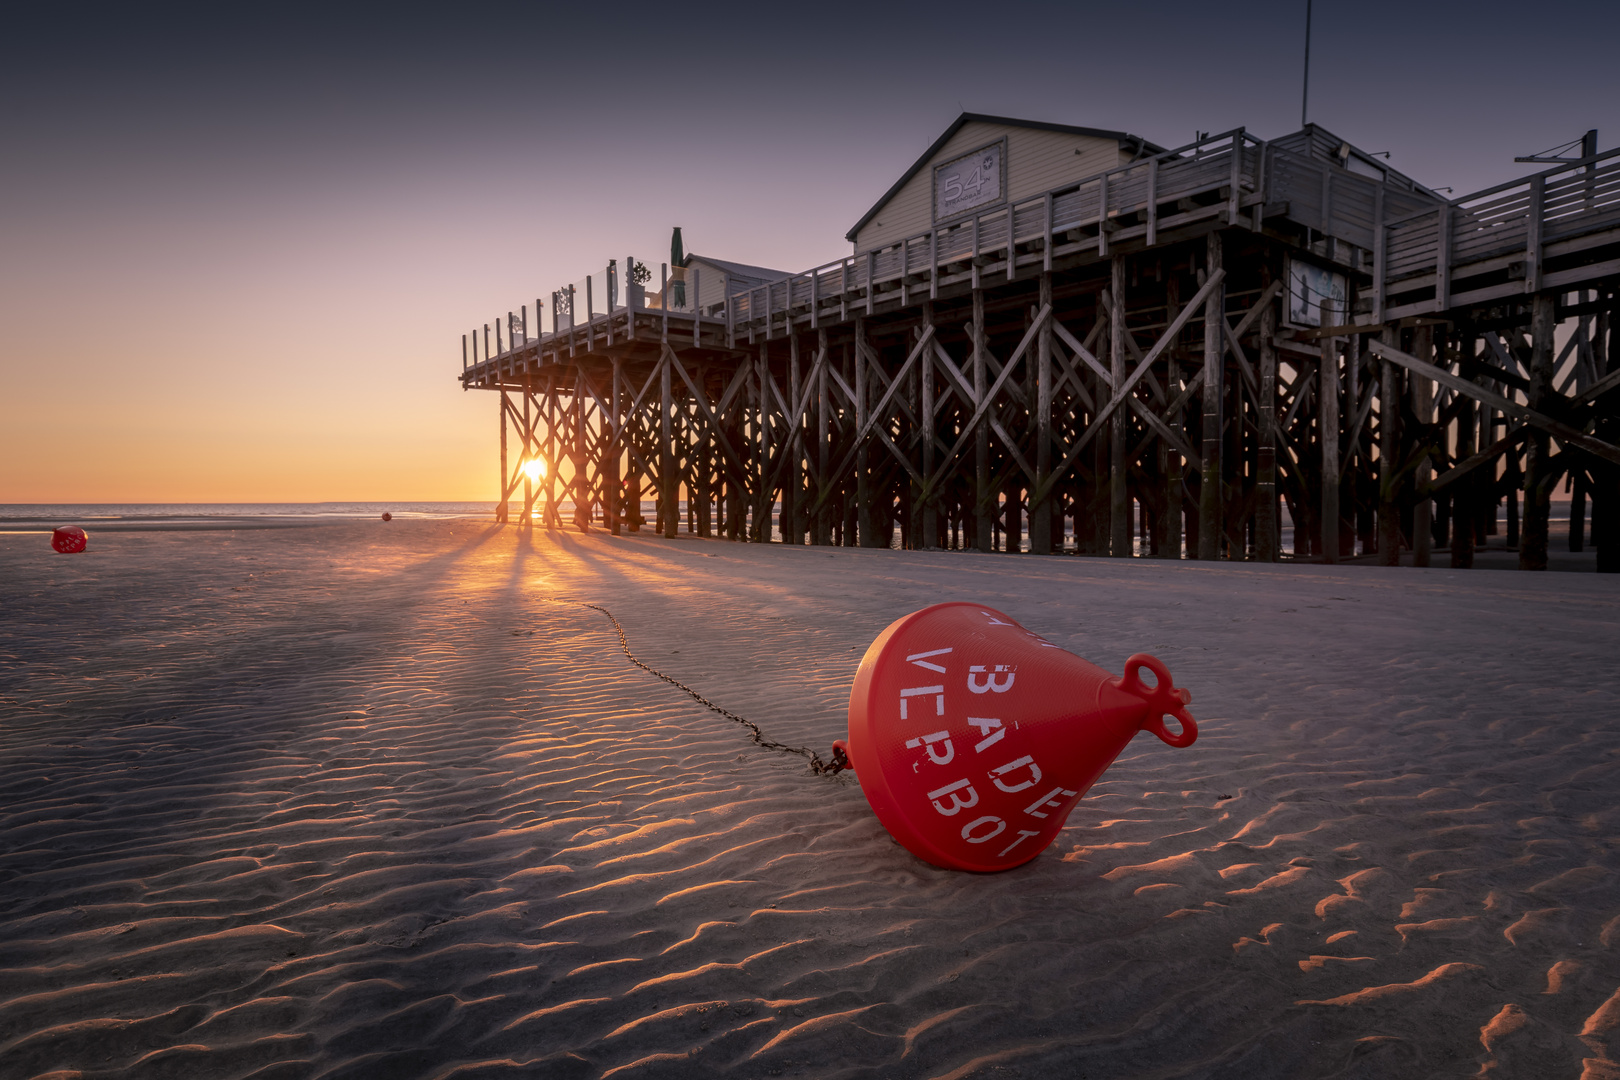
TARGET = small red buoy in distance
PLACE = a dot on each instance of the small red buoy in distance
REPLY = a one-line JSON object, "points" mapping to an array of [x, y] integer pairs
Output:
{"points": [[973, 738], [69, 540], [387, 516]]}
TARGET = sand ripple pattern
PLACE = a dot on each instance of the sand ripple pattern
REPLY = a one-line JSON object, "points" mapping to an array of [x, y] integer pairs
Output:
{"points": [[359, 802]]}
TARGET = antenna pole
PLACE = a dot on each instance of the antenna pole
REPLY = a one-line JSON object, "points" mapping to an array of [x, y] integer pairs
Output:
{"points": [[1305, 97]]}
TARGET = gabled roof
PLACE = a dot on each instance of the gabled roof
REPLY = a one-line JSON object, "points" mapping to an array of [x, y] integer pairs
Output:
{"points": [[741, 271], [1007, 121]]}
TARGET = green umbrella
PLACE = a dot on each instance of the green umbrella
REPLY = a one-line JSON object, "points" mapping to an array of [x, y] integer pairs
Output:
{"points": [[677, 258]]}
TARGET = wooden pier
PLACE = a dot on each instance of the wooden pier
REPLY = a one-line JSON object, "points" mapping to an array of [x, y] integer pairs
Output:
{"points": [[1150, 360]]}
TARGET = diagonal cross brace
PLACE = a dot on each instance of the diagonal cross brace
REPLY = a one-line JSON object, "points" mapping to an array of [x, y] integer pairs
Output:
{"points": [[1170, 334], [1562, 432]]}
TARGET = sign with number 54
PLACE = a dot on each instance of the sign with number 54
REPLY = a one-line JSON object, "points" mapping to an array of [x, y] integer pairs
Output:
{"points": [[970, 181]]}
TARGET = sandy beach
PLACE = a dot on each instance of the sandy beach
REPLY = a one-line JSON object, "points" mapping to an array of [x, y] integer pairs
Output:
{"points": [[368, 800]]}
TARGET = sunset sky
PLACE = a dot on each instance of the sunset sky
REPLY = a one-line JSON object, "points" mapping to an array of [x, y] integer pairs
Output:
{"points": [[237, 251]]}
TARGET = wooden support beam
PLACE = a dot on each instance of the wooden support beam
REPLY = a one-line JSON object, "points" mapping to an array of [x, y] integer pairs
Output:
{"points": [[1562, 432], [1538, 475], [1267, 538], [1210, 503], [1422, 391], [1040, 513], [983, 493], [1173, 457], [1119, 394], [1119, 521], [1327, 419]]}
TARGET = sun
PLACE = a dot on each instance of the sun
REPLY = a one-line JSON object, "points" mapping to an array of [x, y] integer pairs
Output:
{"points": [[534, 469]]}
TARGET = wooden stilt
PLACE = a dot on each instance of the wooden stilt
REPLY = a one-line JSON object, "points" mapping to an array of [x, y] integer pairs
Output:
{"points": [[793, 506], [668, 483], [1119, 507], [1210, 506], [1422, 391], [1170, 532], [1464, 512], [983, 496], [1389, 525], [1538, 474], [1267, 538], [927, 498], [1327, 396], [1040, 512], [501, 507]]}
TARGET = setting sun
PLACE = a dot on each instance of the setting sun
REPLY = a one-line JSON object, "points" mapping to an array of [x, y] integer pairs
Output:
{"points": [[534, 469]]}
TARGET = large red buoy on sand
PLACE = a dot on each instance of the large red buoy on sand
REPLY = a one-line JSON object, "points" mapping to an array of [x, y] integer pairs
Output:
{"points": [[973, 738], [69, 540]]}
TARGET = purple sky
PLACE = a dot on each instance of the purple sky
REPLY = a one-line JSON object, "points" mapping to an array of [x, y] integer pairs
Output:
{"points": [[239, 250]]}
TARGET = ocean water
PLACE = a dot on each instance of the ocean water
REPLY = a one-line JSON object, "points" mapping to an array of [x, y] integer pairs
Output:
{"points": [[34, 517]]}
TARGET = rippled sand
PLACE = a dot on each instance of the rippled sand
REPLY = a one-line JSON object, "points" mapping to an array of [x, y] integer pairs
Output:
{"points": [[363, 801]]}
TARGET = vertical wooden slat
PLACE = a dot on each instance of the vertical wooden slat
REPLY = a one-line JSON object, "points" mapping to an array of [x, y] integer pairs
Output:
{"points": [[1533, 229], [1236, 198], [1152, 202], [1102, 214], [933, 265], [1046, 236], [1380, 253]]}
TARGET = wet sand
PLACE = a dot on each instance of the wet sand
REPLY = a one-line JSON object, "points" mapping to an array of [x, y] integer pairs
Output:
{"points": [[364, 801]]}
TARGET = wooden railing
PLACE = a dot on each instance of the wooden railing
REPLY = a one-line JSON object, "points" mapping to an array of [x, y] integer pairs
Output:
{"points": [[1501, 228], [1232, 160]]}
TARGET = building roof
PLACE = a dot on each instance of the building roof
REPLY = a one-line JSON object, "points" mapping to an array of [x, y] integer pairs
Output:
{"points": [[1007, 121], [738, 270]]}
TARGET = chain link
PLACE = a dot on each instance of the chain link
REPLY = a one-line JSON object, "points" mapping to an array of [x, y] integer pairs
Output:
{"points": [[839, 761]]}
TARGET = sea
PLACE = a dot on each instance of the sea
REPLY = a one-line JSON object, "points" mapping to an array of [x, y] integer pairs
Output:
{"points": [[139, 517]]}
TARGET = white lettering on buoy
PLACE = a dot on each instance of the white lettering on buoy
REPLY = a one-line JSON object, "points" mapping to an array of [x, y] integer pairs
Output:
{"points": [[1024, 762], [920, 661], [924, 691], [982, 680], [927, 743], [995, 621], [967, 830], [1052, 799], [957, 802], [1023, 834], [985, 724]]}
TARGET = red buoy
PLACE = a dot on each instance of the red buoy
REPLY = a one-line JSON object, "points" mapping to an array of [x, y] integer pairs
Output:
{"points": [[387, 516], [973, 738], [69, 540]]}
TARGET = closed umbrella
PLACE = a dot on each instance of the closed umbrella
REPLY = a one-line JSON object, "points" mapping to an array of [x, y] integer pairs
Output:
{"points": [[677, 259]]}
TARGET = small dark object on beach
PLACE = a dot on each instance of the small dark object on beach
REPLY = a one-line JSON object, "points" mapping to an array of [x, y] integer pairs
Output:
{"points": [[69, 540], [387, 516]]}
